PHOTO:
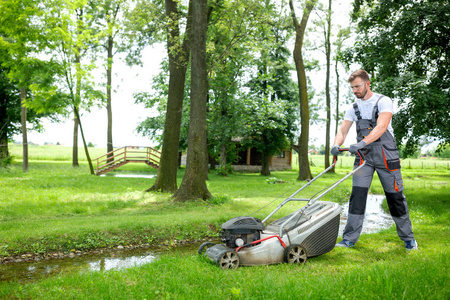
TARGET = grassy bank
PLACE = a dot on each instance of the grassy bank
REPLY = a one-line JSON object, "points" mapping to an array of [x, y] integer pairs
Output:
{"points": [[55, 207]]}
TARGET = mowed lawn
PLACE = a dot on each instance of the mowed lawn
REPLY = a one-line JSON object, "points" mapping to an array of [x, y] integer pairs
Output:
{"points": [[55, 207]]}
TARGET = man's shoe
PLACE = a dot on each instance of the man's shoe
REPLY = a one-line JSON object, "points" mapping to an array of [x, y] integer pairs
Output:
{"points": [[411, 245], [345, 243]]}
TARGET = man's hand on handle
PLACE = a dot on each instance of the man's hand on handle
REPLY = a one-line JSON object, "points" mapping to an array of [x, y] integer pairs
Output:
{"points": [[355, 147], [335, 150]]}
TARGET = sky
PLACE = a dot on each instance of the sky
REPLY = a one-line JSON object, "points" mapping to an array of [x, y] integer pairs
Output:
{"points": [[127, 115]]}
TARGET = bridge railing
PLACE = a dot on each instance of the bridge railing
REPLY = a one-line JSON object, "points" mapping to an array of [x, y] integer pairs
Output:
{"points": [[127, 154]]}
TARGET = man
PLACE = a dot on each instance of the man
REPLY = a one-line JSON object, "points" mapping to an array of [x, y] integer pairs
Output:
{"points": [[372, 113]]}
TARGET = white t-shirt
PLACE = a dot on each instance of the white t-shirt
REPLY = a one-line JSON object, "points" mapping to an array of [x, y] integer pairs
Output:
{"points": [[366, 109]]}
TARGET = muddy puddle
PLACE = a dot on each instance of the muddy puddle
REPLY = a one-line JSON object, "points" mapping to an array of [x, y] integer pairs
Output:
{"points": [[376, 219]]}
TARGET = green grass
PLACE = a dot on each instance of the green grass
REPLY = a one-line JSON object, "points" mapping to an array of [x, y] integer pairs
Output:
{"points": [[55, 207], [53, 153]]}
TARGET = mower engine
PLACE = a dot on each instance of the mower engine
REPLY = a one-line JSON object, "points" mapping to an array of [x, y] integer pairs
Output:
{"points": [[240, 231]]}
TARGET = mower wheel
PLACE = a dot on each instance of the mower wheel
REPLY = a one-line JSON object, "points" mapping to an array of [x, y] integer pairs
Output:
{"points": [[295, 254], [229, 260], [203, 247]]}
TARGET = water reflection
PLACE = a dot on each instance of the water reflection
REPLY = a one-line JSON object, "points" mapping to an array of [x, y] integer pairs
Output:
{"points": [[375, 219], [107, 264], [117, 260]]}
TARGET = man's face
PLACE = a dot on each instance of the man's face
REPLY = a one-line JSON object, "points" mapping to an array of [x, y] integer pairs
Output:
{"points": [[359, 88]]}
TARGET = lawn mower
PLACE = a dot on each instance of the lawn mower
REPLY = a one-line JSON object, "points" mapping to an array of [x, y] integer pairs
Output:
{"points": [[307, 232]]}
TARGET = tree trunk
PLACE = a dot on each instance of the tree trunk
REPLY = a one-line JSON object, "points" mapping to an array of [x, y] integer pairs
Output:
{"points": [[75, 142], [86, 149], [166, 180], [77, 99], [327, 86], [23, 116], [304, 171], [193, 185], [265, 168], [333, 170], [109, 143], [4, 152], [223, 160]]}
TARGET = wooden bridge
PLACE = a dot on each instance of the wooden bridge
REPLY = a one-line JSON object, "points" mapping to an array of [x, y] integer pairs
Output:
{"points": [[130, 154]]}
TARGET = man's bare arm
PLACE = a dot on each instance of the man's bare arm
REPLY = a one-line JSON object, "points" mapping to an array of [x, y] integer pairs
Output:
{"points": [[382, 124], [342, 132]]}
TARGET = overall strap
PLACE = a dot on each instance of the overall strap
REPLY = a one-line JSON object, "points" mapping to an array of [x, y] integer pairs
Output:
{"points": [[375, 111], [357, 112]]}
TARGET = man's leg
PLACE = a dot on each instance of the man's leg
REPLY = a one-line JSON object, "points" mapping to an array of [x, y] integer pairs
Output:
{"points": [[393, 188], [357, 207]]}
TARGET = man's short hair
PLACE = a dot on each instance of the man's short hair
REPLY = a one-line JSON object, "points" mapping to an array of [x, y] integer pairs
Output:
{"points": [[361, 74]]}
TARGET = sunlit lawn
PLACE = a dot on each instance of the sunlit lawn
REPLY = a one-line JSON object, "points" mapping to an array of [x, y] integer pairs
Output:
{"points": [[57, 207]]}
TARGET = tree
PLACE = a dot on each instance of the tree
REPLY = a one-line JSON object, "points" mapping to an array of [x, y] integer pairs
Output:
{"points": [[110, 18], [19, 41], [193, 185], [178, 51], [404, 45], [10, 114], [343, 34], [178, 54], [271, 107], [327, 36], [300, 27], [71, 38], [268, 128], [232, 30]]}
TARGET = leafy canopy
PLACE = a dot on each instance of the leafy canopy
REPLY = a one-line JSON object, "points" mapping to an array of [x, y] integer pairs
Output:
{"points": [[405, 45]]}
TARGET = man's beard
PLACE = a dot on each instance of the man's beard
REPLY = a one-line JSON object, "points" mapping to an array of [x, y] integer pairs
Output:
{"points": [[363, 94]]}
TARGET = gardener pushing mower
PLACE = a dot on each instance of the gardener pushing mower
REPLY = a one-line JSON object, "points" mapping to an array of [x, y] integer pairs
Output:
{"points": [[372, 113]]}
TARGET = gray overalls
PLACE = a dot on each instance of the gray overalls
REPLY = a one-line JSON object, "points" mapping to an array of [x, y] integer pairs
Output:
{"points": [[382, 156]]}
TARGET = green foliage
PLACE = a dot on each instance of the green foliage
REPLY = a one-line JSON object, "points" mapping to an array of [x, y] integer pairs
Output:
{"points": [[143, 26], [230, 106], [224, 170], [404, 44], [443, 151], [20, 43]]}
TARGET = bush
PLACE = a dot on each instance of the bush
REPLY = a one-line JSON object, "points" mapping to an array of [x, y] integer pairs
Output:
{"points": [[443, 151]]}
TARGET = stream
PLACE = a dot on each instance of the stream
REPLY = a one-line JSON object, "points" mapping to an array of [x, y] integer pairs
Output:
{"points": [[91, 262], [375, 219], [104, 260]]}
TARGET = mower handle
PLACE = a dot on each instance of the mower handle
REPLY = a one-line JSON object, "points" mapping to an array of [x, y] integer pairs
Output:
{"points": [[359, 152], [314, 199]]}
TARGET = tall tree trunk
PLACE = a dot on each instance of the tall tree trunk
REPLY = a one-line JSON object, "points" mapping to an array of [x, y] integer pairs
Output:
{"points": [[304, 171], [76, 104], [337, 103], [77, 116], [109, 143], [193, 185], [166, 180], [23, 116], [4, 152], [337, 97], [75, 142], [327, 86], [265, 168]]}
